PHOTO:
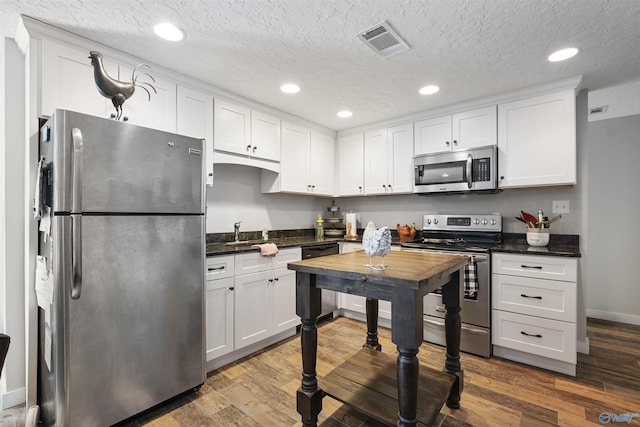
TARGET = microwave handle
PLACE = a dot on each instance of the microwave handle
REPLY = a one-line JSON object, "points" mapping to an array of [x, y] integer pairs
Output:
{"points": [[469, 173]]}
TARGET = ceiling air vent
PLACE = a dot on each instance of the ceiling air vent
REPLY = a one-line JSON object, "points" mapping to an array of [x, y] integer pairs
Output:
{"points": [[383, 39]]}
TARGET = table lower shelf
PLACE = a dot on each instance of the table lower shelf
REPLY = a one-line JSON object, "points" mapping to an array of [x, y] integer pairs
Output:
{"points": [[367, 382]]}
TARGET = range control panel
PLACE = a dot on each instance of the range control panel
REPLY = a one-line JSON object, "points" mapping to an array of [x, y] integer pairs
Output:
{"points": [[463, 222]]}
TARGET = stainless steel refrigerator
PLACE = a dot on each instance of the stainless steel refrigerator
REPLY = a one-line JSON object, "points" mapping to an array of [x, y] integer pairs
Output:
{"points": [[122, 229]]}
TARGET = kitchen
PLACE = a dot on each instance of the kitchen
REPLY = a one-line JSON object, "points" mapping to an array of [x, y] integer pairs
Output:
{"points": [[236, 195]]}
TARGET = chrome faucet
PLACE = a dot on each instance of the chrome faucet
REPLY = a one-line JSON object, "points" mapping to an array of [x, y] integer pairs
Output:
{"points": [[236, 230]]}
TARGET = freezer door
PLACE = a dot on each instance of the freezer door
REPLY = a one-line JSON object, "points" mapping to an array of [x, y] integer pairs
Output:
{"points": [[134, 330], [106, 166]]}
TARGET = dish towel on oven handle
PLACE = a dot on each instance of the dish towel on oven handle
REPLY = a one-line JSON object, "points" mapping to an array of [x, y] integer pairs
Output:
{"points": [[470, 279]]}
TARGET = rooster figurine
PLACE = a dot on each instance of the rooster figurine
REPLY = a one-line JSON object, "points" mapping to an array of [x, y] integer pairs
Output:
{"points": [[376, 242], [117, 90]]}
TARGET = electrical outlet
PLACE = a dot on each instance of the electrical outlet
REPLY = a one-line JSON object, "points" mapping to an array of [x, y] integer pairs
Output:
{"points": [[560, 206]]}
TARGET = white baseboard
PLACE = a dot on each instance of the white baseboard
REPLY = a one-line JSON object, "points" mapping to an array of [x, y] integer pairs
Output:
{"points": [[13, 398], [583, 346], [632, 319]]}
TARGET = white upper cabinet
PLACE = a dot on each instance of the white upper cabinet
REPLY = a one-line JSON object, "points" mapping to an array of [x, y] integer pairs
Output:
{"points": [[468, 129], [321, 174], [537, 141], [265, 136], [240, 130], [68, 82], [158, 110], [306, 163], [232, 127], [388, 155], [375, 162], [351, 165], [195, 119], [294, 158]]}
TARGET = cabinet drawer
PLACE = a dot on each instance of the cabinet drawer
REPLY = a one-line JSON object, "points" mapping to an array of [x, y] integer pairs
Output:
{"points": [[252, 262], [544, 298], [286, 256], [219, 267], [548, 338], [541, 267]]}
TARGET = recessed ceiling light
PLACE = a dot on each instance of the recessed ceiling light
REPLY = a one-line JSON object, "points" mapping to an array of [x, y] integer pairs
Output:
{"points": [[563, 54], [429, 90], [344, 114], [168, 31], [290, 88]]}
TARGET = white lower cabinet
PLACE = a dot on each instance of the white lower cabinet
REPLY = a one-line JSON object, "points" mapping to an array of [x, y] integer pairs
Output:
{"points": [[250, 302], [534, 310]]}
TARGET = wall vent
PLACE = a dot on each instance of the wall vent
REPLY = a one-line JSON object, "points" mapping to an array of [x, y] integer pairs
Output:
{"points": [[383, 40]]}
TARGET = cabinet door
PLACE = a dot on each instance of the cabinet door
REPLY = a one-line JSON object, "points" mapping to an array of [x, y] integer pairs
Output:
{"points": [[294, 158], [432, 135], [154, 110], [351, 165], [322, 164], [195, 119], [375, 162], [68, 82], [252, 311], [219, 317], [283, 301], [475, 128], [265, 136], [232, 127], [400, 159], [537, 141]]}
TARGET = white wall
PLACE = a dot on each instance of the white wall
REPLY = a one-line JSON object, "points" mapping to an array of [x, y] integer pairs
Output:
{"points": [[613, 227], [236, 196], [12, 160]]}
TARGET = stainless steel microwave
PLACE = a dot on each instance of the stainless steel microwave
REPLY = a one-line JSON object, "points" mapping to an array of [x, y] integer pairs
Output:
{"points": [[463, 171]]}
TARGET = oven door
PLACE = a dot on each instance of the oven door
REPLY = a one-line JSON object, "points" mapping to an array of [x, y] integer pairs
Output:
{"points": [[476, 309]]}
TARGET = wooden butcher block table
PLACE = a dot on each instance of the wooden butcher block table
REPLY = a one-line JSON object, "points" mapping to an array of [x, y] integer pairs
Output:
{"points": [[411, 395]]}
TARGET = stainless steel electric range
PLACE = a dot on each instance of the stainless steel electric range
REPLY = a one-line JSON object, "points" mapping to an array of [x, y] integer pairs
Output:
{"points": [[471, 235]]}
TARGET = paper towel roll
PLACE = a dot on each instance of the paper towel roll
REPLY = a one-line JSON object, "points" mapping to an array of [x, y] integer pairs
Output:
{"points": [[352, 228]]}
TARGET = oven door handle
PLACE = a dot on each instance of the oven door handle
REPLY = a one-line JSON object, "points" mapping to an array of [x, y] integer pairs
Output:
{"points": [[469, 173], [464, 327]]}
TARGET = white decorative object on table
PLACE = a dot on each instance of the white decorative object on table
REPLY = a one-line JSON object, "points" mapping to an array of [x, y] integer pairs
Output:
{"points": [[376, 242]]}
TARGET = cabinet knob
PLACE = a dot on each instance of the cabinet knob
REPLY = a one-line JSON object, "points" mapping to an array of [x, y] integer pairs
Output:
{"points": [[210, 173], [276, 279], [248, 147], [270, 280], [455, 142], [502, 177], [254, 149], [231, 288], [384, 186], [389, 186], [448, 143]]}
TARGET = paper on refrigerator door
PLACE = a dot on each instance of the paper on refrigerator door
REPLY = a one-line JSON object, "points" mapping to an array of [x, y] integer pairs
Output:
{"points": [[47, 346], [44, 284]]}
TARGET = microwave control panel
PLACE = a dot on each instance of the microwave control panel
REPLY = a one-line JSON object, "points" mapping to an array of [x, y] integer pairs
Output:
{"points": [[481, 169]]}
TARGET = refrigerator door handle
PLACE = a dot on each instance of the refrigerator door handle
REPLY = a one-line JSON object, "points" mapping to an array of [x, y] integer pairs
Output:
{"points": [[76, 256], [76, 136], [76, 220]]}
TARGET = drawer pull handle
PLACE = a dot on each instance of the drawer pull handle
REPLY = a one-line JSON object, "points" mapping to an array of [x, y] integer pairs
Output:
{"points": [[531, 335], [529, 296], [441, 309], [538, 267], [215, 268]]}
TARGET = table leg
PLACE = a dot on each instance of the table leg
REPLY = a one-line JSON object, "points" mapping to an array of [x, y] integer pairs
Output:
{"points": [[308, 302], [372, 325], [452, 293], [407, 334]]}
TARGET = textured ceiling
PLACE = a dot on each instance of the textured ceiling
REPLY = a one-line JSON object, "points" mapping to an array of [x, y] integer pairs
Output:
{"points": [[470, 48]]}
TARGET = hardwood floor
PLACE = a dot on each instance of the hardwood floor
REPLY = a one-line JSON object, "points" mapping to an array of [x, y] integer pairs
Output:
{"points": [[260, 390]]}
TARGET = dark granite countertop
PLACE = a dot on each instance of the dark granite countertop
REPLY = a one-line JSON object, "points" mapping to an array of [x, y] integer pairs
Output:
{"points": [[281, 242], [217, 242], [567, 245]]}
